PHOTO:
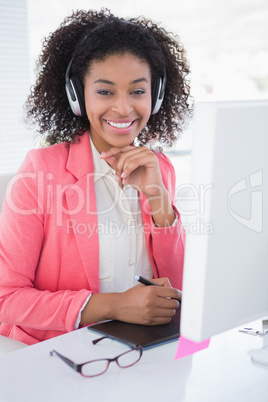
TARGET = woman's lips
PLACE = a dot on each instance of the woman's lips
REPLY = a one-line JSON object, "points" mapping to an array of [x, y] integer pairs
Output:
{"points": [[120, 126]]}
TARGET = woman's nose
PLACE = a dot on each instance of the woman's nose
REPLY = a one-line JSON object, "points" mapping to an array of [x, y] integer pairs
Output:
{"points": [[122, 105]]}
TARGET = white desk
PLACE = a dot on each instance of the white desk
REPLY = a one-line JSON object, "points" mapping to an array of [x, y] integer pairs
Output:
{"points": [[222, 373]]}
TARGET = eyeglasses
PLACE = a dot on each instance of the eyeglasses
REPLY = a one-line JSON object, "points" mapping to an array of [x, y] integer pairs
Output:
{"points": [[93, 368]]}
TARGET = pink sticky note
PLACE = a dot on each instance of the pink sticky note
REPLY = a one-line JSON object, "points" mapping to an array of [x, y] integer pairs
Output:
{"points": [[187, 347]]}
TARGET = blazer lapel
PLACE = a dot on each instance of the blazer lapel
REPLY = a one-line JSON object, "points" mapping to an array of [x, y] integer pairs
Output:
{"points": [[81, 202]]}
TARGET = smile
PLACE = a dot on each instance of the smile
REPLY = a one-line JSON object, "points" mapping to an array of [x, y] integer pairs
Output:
{"points": [[120, 125]]}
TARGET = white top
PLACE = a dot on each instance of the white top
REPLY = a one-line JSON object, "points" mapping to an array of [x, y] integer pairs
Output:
{"points": [[123, 252], [122, 248]]}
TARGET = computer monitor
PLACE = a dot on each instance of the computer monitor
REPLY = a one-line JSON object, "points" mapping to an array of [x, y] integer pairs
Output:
{"points": [[225, 282]]}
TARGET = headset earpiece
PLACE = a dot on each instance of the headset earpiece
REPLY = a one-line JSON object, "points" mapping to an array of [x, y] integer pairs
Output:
{"points": [[75, 93], [158, 93]]}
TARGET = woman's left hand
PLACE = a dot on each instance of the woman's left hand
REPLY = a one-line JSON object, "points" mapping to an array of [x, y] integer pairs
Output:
{"points": [[136, 166]]}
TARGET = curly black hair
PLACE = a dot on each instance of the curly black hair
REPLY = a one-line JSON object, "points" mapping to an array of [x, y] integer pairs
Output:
{"points": [[79, 39]]}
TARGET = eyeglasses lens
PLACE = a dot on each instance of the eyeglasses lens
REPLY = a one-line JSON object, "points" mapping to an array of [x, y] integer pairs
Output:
{"points": [[95, 368], [129, 358]]}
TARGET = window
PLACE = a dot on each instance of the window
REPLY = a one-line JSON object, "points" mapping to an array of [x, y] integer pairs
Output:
{"points": [[15, 138]]}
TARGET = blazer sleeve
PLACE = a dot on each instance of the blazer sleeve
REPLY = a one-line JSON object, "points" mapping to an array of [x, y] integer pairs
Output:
{"points": [[21, 240], [167, 244]]}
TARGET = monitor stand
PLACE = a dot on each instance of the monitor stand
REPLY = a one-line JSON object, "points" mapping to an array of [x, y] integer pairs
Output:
{"points": [[260, 356]]}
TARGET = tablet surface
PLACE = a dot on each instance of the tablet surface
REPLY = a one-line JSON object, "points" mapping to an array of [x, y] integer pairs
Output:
{"points": [[143, 335]]}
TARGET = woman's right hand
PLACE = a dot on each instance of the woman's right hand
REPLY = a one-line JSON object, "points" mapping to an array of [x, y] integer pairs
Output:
{"points": [[147, 305]]}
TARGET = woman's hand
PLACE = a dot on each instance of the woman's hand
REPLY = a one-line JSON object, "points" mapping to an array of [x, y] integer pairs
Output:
{"points": [[149, 305], [139, 167]]}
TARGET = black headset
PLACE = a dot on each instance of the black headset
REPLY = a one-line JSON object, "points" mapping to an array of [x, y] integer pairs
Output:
{"points": [[76, 98]]}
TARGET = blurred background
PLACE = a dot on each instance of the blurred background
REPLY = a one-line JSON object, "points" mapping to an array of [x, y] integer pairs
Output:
{"points": [[226, 43]]}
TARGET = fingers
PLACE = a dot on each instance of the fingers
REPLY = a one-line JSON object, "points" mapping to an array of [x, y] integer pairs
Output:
{"points": [[128, 159], [160, 301], [165, 283], [162, 282], [147, 305], [167, 303], [112, 161], [164, 317], [115, 151], [171, 293], [161, 312]]}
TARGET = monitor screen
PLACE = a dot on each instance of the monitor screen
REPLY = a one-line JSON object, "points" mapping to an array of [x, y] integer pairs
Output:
{"points": [[225, 280]]}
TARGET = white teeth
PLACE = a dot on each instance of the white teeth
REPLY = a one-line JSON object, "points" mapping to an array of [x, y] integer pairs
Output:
{"points": [[119, 125]]}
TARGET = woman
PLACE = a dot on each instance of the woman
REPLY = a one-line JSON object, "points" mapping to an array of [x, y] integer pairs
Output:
{"points": [[86, 214]]}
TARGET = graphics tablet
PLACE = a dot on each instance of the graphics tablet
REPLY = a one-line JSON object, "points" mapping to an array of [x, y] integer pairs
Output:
{"points": [[143, 335]]}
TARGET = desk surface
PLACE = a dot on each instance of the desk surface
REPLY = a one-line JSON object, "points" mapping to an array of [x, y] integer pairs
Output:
{"points": [[223, 372]]}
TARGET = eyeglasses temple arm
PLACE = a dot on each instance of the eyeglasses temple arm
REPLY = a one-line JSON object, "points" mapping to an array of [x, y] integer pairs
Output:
{"points": [[66, 360], [95, 341]]}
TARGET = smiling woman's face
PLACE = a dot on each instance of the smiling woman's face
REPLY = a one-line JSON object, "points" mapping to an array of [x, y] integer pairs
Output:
{"points": [[118, 100]]}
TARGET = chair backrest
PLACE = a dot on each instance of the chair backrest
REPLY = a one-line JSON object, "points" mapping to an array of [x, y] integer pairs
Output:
{"points": [[4, 180]]}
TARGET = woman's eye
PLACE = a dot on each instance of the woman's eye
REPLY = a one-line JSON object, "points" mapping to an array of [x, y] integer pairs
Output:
{"points": [[138, 92], [104, 92]]}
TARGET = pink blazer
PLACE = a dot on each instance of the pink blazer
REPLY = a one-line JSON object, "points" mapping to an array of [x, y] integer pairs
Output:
{"points": [[49, 242]]}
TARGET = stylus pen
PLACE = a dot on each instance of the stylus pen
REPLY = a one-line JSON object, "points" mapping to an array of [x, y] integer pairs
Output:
{"points": [[145, 281]]}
